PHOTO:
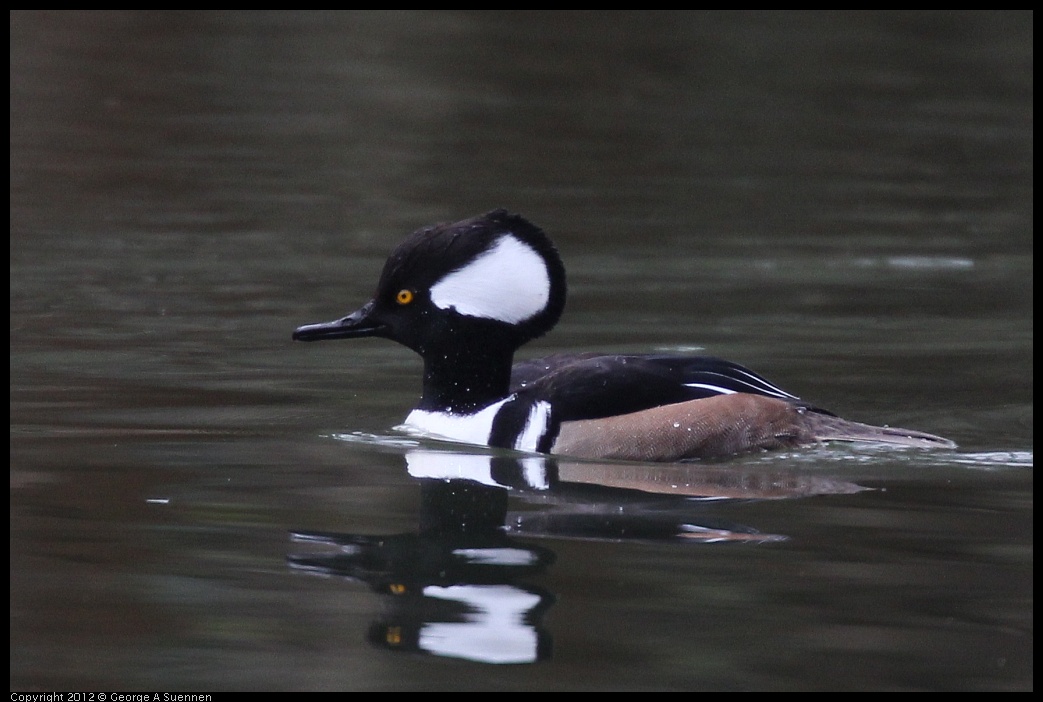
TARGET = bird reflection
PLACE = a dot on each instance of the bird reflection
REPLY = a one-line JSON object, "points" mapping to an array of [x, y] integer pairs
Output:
{"points": [[460, 586], [457, 587]]}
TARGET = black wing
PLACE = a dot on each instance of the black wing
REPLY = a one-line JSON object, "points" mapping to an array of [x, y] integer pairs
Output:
{"points": [[588, 386]]}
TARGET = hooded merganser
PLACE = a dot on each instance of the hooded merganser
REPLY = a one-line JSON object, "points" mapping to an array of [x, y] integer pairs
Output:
{"points": [[466, 296]]}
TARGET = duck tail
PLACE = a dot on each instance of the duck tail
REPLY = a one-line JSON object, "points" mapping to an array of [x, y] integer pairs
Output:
{"points": [[830, 428]]}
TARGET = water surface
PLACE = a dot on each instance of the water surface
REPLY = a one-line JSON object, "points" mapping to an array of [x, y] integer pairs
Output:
{"points": [[841, 201]]}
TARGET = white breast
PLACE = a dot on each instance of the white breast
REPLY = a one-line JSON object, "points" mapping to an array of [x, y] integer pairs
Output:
{"points": [[477, 427]]}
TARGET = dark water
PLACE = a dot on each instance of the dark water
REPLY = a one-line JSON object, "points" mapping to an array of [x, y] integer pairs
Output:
{"points": [[842, 201]]}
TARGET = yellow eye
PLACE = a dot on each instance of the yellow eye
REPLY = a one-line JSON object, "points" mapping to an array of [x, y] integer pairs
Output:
{"points": [[404, 297]]}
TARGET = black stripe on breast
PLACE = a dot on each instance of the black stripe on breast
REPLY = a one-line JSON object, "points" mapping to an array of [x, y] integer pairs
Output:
{"points": [[512, 421]]}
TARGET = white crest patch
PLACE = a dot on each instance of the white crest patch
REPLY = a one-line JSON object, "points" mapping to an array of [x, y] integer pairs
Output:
{"points": [[508, 283]]}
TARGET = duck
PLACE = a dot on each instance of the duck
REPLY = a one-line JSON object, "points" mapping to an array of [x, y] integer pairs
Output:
{"points": [[467, 295]]}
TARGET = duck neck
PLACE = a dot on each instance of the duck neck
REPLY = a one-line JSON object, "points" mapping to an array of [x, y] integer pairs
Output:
{"points": [[465, 380]]}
